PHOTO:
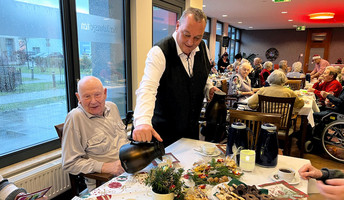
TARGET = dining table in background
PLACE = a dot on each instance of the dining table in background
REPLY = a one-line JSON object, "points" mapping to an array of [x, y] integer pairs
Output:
{"points": [[186, 151]]}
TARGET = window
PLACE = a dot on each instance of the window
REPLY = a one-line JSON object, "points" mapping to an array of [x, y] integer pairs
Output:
{"points": [[218, 43], [234, 43], [206, 34], [165, 16], [37, 80]]}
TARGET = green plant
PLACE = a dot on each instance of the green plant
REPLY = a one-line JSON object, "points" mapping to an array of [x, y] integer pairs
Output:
{"points": [[165, 180]]}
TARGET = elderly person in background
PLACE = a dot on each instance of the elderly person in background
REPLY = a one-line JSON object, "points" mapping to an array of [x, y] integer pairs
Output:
{"points": [[283, 66], [340, 77], [254, 75], [276, 80], [319, 66], [328, 83], [267, 67], [296, 71], [240, 83]]}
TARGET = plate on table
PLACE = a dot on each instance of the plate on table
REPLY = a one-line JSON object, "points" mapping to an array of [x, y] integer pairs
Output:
{"points": [[217, 152], [295, 181]]}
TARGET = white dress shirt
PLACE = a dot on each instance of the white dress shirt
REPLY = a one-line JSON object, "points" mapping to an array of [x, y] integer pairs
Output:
{"points": [[155, 67]]}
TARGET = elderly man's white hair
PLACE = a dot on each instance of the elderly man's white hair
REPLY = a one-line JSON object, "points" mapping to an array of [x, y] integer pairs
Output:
{"points": [[244, 61], [297, 66], [277, 77], [267, 64]]}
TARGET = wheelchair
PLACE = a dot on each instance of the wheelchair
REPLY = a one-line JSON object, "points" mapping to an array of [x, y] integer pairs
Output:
{"points": [[329, 133]]}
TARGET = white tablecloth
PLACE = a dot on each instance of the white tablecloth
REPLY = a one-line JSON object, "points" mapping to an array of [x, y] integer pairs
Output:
{"points": [[183, 150]]}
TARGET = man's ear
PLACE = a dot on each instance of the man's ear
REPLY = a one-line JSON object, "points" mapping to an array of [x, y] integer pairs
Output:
{"points": [[105, 92], [177, 25], [77, 96]]}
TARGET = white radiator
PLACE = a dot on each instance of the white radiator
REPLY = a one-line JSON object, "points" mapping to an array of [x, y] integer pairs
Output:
{"points": [[43, 176]]}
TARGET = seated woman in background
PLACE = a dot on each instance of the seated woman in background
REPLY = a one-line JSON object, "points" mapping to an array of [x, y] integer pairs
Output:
{"points": [[340, 77], [296, 71], [267, 67], [327, 82], [240, 84], [276, 80]]}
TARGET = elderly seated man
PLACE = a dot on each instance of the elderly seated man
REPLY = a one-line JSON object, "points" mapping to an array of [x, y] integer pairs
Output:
{"points": [[283, 66], [93, 133], [328, 83], [296, 71], [276, 80]]}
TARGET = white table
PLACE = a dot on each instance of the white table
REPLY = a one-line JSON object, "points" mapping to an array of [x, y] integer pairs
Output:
{"points": [[184, 151]]}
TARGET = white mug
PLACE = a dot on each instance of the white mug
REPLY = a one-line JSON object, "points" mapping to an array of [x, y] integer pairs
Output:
{"points": [[286, 174], [208, 148]]}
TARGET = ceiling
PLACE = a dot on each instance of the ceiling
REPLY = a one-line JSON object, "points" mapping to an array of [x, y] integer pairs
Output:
{"points": [[265, 14]]}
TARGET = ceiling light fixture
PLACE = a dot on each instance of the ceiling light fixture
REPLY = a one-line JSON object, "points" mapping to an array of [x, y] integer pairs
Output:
{"points": [[250, 27], [204, 6], [324, 15], [224, 15], [239, 22], [290, 20], [284, 12]]}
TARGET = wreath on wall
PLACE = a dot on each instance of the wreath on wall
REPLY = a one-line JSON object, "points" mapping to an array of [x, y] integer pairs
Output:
{"points": [[271, 54]]}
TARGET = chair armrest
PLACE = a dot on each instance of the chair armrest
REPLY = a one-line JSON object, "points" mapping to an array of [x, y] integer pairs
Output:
{"points": [[104, 177]]}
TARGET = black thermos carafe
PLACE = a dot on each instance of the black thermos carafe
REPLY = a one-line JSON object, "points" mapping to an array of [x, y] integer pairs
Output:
{"points": [[267, 146], [237, 137]]}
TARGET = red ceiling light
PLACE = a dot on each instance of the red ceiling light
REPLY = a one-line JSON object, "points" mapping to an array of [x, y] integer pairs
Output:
{"points": [[324, 15]]}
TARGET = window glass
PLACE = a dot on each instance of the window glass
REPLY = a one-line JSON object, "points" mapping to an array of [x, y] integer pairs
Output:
{"points": [[237, 34], [164, 23], [237, 47], [233, 33], [207, 27], [205, 41], [101, 49], [232, 54], [217, 51], [218, 28], [32, 80]]}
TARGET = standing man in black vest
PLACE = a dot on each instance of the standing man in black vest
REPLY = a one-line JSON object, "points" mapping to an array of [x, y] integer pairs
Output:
{"points": [[175, 81]]}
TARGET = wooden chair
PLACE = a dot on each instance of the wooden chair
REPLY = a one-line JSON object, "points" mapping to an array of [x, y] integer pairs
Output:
{"points": [[303, 81], [294, 84], [77, 182], [283, 106], [224, 86], [254, 120]]}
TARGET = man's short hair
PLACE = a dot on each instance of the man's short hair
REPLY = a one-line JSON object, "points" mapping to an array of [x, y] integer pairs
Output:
{"points": [[238, 56], [198, 15]]}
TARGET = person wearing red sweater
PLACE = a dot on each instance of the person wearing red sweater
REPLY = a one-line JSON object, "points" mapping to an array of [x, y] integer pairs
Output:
{"points": [[328, 83]]}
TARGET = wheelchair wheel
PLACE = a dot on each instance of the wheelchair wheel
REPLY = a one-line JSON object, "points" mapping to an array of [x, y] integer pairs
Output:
{"points": [[332, 140]]}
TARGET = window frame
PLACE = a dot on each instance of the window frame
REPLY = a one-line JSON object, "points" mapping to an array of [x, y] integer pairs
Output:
{"points": [[72, 74]]}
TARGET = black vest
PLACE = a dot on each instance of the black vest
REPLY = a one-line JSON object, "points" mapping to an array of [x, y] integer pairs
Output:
{"points": [[179, 97]]}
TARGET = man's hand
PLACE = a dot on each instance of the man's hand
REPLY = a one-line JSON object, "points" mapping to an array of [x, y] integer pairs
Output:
{"points": [[144, 133], [114, 168], [324, 94], [308, 171], [334, 189], [211, 92]]}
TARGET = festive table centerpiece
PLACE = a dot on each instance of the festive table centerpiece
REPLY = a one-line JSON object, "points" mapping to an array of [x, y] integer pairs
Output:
{"points": [[165, 180]]}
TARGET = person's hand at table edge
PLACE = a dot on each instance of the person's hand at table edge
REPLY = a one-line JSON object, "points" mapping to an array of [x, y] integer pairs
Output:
{"points": [[333, 189], [308, 171], [114, 168], [144, 133]]}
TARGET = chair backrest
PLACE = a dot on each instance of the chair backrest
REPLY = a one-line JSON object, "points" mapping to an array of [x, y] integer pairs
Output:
{"points": [[59, 130], [224, 86], [303, 81], [281, 105], [253, 121]]}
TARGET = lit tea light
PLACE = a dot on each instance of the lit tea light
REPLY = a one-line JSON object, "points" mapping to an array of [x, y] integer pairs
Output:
{"points": [[247, 159]]}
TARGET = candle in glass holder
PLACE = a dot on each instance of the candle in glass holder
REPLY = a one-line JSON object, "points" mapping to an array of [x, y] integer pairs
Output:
{"points": [[247, 159]]}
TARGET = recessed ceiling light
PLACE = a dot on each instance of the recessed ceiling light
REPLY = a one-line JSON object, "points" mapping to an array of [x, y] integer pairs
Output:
{"points": [[250, 27], [325, 15], [204, 6], [290, 20], [294, 25], [224, 15], [284, 12], [239, 22]]}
